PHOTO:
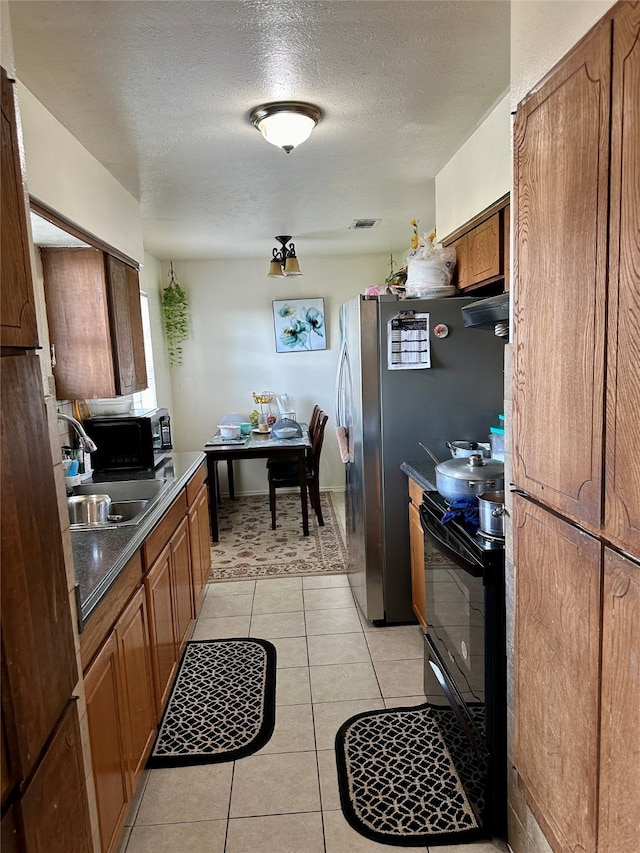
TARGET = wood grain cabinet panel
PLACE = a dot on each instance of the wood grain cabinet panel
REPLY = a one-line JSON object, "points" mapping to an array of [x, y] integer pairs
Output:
{"points": [[126, 325], [557, 649], [39, 664], [95, 324], [416, 546], [182, 584], [622, 504], [164, 656], [137, 697], [17, 308], [108, 749], [483, 251], [619, 827], [200, 541], [561, 157], [55, 813]]}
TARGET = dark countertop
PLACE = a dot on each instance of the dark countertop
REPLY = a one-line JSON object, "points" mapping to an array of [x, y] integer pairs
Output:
{"points": [[423, 472], [100, 555]]}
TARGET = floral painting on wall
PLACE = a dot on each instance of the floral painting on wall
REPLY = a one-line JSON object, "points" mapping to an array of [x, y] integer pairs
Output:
{"points": [[299, 325]]}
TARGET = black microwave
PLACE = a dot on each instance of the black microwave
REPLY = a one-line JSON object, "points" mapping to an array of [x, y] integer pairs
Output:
{"points": [[137, 441]]}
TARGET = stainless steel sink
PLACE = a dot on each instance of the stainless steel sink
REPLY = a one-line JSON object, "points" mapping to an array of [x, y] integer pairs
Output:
{"points": [[123, 490], [131, 501]]}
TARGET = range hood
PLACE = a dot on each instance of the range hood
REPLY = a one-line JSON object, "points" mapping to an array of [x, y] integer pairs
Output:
{"points": [[491, 313]]}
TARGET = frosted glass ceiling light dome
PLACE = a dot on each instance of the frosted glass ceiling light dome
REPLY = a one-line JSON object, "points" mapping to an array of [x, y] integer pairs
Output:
{"points": [[286, 123]]}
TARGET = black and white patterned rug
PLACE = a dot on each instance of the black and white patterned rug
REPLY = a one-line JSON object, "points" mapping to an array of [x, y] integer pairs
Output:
{"points": [[398, 781], [222, 705]]}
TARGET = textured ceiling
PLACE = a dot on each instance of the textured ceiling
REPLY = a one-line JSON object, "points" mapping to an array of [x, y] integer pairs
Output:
{"points": [[160, 92]]}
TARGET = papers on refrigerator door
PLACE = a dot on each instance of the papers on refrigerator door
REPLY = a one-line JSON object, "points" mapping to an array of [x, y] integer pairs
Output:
{"points": [[408, 345]]}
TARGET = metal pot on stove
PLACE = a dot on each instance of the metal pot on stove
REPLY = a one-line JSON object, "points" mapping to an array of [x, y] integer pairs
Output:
{"points": [[491, 513], [460, 449], [469, 477]]}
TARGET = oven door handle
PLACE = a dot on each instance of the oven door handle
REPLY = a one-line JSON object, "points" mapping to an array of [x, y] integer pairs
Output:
{"points": [[462, 558]]}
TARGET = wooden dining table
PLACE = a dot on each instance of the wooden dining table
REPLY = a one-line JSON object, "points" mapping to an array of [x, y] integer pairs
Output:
{"points": [[257, 445]]}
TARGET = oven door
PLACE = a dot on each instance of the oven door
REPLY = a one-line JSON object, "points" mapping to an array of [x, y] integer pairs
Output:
{"points": [[455, 607]]}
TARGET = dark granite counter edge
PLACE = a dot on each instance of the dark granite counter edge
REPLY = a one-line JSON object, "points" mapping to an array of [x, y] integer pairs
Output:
{"points": [[423, 472], [100, 555]]}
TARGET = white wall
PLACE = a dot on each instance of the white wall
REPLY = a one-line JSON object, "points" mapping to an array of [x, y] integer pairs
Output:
{"points": [[63, 175], [231, 353], [478, 174], [542, 31]]}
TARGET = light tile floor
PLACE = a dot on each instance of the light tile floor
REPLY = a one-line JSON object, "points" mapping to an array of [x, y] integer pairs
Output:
{"points": [[284, 799]]}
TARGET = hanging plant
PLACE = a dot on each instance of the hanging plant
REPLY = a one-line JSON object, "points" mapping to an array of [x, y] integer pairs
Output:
{"points": [[175, 307]]}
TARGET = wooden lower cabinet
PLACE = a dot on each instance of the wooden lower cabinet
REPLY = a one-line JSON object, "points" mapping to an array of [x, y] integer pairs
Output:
{"points": [[200, 539], [182, 585], [159, 593], [102, 683], [557, 671], [55, 814], [122, 717], [416, 545], [137, 694], [619, 826]]}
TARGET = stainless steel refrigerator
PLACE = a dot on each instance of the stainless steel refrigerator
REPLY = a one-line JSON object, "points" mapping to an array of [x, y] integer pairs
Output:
{"points": [[387, 406]]}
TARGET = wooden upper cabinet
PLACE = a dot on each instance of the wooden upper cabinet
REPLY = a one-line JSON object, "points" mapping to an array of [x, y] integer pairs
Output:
{"points": [[561, 192], [95, 324], [126, 326], [482, 250], [557, 656], [622, 502], [18, 314]]}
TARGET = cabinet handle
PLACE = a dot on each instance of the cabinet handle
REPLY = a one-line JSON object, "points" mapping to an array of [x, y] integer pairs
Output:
{"points": [[53, 355]]}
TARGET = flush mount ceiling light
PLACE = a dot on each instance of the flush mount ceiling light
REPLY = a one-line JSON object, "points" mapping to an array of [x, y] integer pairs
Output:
{"points": [[285, 123], [284, 261]]}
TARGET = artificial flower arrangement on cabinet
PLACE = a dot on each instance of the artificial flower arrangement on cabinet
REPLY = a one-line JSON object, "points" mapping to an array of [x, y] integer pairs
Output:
{"points": [[428, 271], [175, 309]]}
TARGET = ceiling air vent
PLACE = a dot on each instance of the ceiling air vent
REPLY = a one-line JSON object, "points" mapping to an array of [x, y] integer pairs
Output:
{"points": [[359, 224]]}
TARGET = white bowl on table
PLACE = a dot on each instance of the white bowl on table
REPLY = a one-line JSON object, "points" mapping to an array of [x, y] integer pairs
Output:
{"points": [[229, 430]]}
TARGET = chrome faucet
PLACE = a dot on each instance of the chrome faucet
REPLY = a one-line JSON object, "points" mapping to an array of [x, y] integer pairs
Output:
{"points": [[85, 442]]}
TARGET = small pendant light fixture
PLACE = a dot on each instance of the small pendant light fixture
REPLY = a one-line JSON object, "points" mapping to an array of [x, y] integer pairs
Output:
{"points": [[286, 123], [284, 261]]}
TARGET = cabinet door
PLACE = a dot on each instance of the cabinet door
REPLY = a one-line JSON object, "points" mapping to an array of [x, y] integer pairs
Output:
{"points": [[78, 317], [108, 750], [137, 698], [619, 827], [557, 648], [483, 251], [561, 159], [182, 584], [55, 814], [126, 327], [39, 665], [416, 546], [18, 313], [416, 541], [162, 631], [462, 262], [200, 540], [622, 505]]}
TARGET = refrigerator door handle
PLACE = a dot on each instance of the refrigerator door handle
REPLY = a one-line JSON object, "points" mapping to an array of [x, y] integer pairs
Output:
{"points": [[342, 379]]}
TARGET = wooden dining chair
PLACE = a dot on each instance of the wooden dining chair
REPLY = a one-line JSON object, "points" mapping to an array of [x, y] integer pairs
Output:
{"points": [[286, 474]]}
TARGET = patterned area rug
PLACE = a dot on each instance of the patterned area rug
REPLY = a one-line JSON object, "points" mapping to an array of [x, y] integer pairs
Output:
{"points": [[222, 705], [249, 548], [398, 782]]}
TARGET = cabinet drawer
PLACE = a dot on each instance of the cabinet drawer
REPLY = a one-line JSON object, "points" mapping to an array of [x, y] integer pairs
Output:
{"points": [[164, 531], [195, 483]]}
